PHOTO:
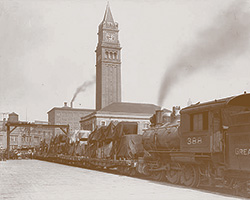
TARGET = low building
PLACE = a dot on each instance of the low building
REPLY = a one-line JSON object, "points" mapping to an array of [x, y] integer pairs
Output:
{"points": [[67, 116], [24, 136], [41, 133], [120, 111]]}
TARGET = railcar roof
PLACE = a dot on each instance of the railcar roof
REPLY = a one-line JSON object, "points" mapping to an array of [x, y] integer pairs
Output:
{"points": [[241, 100]]}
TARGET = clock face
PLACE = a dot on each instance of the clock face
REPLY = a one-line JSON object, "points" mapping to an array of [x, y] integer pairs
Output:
{"points": [[110, 37]]}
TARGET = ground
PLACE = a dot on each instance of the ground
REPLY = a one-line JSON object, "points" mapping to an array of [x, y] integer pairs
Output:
{"points": [[34, 179]]}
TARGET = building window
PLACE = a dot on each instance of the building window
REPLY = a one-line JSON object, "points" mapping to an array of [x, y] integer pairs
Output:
{"points": [[36, 139], [199, 122], [103, 123], [12, 138]]}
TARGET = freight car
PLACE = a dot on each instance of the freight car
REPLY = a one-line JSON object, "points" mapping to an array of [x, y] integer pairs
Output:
{"points": [[114, 146], [206, 144], [209, 147]]}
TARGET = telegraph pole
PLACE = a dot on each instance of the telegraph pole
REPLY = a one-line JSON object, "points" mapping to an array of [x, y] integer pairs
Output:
{"points": [[8, 142]]}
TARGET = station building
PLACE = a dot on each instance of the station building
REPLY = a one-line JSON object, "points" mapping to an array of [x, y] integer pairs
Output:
{"points": [[120, 111]]}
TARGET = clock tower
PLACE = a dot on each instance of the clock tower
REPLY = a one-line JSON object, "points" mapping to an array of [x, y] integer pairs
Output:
{"points": [[108, 62]]}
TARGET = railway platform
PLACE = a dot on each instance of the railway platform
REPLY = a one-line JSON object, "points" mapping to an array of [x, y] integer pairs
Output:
{"points": [[40, 180]]}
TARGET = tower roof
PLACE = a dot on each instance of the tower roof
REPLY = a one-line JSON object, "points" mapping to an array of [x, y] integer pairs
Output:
{"points": [[108, 15]]}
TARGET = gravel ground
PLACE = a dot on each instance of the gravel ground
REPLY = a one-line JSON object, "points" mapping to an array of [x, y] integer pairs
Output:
{"points": [[34, 179]]}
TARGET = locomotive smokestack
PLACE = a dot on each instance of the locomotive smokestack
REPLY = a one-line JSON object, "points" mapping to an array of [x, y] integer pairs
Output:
{"points": [[159, 117]]}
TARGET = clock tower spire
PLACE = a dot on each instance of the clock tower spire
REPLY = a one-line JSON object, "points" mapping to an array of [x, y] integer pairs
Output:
{"points": [[108, 62]]}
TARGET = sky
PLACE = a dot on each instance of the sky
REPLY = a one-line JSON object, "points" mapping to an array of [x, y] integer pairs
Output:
{"points": [[172, 51]]}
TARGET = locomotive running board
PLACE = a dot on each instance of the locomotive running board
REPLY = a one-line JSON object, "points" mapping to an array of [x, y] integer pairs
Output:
{"points": [[186, 157]]}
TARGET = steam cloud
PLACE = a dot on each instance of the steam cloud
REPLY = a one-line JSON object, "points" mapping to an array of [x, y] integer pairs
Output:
{"points": [[228, 37], [82, 88]]}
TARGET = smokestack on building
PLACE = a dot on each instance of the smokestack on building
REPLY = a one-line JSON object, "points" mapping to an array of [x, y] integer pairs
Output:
{"points": [[82, 88]]}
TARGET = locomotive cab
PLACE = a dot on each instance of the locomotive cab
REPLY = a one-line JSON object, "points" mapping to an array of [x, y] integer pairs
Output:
{"points": [[201, 127], [204, 126]]}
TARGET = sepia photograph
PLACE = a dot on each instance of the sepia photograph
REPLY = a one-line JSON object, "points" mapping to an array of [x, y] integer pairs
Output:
{"points": [[124, 99]]}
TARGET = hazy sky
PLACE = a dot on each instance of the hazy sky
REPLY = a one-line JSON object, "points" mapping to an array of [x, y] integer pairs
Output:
{"points": [[47, 50]]}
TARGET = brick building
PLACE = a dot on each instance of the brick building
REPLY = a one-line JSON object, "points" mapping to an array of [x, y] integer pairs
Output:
{"points": [[67, 116]]}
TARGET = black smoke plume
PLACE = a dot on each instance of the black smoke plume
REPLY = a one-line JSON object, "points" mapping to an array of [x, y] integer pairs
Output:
{"points": [[227, 37], [82, 88]]}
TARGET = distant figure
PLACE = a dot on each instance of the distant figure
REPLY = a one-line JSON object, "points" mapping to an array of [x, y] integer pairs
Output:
{"points": [[5, 155], [1, 153], [30, 153], [15, 154]]}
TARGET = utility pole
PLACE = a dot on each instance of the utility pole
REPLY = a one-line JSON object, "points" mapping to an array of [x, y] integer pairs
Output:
{"points": [[8, 142]]}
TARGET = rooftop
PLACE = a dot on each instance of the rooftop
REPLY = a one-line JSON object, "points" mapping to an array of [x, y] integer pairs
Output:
{"points": [[71, 109], [125, 107]]}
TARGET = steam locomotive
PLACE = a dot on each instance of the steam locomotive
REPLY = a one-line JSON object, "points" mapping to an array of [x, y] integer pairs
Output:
{"points": [[209, 146], [205, 144]]}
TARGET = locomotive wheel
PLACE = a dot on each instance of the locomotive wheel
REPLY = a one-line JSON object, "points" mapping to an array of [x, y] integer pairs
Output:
{"points": [[173, 176], [120, 169], [132, 172], [157, 175], [190, 176], [126, 171]]}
